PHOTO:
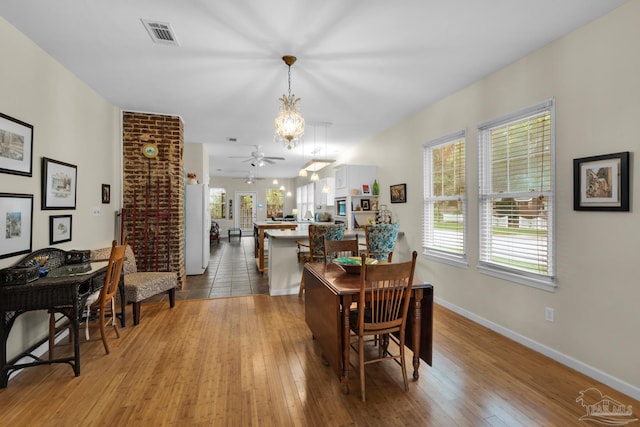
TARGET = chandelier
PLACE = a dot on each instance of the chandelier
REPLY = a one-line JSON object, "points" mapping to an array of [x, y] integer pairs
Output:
{"points": [[289, 124]]}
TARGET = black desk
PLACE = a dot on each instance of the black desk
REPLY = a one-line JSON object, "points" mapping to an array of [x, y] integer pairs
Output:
{"points": [[69, 289]]}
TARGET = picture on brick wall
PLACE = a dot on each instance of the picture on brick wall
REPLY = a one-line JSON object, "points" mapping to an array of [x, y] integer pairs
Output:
{"points": [[16, 146], [59, 183]]}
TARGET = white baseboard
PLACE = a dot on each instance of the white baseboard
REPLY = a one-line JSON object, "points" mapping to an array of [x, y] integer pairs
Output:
{"points": [[590, 371]]}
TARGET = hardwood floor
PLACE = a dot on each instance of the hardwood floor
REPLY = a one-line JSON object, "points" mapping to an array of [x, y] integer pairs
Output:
{"points": [[250, 360]]}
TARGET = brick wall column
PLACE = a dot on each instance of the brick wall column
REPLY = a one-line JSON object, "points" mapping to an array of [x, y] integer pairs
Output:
{"points": [[153, 192]]}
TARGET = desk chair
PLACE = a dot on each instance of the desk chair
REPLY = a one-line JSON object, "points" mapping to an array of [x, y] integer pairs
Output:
{"points": [[381, 240], [317, 236], [340, 248], [101, 301], [383, 303]]}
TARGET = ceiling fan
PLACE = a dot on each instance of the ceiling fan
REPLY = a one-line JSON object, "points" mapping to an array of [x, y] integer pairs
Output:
{"points": [[258, 158], [250, 178]]}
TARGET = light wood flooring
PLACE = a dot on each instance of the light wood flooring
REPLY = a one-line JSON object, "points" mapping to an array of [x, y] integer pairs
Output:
{"points": [[251, 361]]}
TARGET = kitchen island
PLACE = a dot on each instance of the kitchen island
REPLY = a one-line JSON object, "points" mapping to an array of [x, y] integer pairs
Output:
{"points": [[285, 271], [259, 228]]}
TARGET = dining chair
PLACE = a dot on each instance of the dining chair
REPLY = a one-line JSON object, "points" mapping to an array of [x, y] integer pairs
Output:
{"points": [[340, 248], [383, 303], [101, 302], [317, 235], [380, 240]]}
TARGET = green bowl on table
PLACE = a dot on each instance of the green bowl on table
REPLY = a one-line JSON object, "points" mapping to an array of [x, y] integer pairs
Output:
{"points": [[353, 264]]}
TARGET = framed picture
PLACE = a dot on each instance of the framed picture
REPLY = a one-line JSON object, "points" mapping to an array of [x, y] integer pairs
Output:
{"points": [[16, 219], [365, 204], [398, 193], [16, 146], [59, 181], [601, 183], [59, 229], [365, 189], [106, 193]]}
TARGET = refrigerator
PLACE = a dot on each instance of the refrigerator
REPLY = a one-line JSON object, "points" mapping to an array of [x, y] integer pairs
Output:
{"points": [[197, 226]]}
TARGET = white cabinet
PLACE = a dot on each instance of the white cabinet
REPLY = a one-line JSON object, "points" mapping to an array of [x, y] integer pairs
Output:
{"points": [[353, 177], [352, 206], [325, 199]]}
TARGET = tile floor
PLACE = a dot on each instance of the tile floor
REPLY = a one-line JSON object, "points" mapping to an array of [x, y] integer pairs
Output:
{"points": [[232, 272]]}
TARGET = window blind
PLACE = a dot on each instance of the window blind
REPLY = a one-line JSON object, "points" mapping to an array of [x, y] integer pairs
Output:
{"points": [[516, 194], [445, 202]]}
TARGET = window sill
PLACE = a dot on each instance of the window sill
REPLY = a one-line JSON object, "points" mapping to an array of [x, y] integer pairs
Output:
{"points": [[456, 261], [545, 285]]}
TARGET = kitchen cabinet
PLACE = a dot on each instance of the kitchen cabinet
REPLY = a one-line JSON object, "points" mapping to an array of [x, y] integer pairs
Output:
{"points": [[353, 177]]}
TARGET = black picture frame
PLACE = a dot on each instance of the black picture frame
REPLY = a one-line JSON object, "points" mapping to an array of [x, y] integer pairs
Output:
{"points": [[16, 216], [364, 203], [601, 183], [59, 184], [106, 194], [60, 227], [398, 193], [16, 146]]}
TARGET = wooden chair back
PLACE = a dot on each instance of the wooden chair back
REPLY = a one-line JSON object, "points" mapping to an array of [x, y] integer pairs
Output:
{"points": [[114, 271], [340, 248], [106, 301], [385, 290]]}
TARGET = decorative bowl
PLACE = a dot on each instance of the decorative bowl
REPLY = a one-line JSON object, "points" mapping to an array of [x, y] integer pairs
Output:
{"points": [[352, 264]]}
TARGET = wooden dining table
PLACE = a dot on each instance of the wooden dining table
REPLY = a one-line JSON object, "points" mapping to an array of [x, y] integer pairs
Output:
{"points": [[329, 293]]}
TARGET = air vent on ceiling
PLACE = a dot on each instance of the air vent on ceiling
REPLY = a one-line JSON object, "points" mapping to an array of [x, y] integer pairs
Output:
{"points": [[160, 32]]}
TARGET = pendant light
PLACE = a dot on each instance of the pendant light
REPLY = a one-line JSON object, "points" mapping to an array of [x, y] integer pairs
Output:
{"points": [[289, 124]]}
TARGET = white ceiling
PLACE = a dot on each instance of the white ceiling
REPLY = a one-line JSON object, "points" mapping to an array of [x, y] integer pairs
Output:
{"points": [[363, 65]]}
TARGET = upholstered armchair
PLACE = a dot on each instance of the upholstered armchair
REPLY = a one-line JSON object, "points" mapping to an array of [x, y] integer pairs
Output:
{"points": [[381, 240], [317, 235], [140, 285]]}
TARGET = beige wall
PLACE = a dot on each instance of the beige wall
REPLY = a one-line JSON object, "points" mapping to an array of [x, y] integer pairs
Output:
{"points": [[72, 124], [196, 160], [593, 73]]}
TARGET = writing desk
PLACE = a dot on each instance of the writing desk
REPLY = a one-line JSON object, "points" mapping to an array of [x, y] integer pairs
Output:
{"points": [[329, 292], [67, 286]]}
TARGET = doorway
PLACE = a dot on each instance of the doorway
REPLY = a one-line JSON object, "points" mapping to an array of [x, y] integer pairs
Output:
{"points": [[246, 211]]}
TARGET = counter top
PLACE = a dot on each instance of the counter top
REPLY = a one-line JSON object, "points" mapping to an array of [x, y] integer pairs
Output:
{"points": [[303, 233]]}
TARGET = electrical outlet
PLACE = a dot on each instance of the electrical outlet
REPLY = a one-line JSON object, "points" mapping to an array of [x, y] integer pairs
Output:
{"points": [[96, 211], [549, 314]]}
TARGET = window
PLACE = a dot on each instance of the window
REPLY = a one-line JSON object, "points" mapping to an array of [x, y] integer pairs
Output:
{"points": [[516, 196], [275, 203], [304, 199], [445, 199], [217, 202]]}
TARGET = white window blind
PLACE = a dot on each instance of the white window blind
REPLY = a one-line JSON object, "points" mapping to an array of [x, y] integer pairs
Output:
{"points": [[305, 199], [517, 183], [445, 199]]}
